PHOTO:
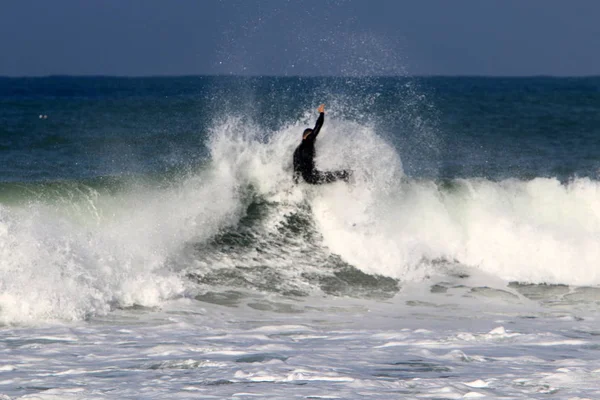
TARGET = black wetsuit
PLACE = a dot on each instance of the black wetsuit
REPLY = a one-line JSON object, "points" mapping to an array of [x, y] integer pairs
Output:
{"points": [[304, 160]]}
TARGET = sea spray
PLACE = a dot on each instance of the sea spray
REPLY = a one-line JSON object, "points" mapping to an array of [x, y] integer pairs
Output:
{"points": [[69, 262], [539, 230]]}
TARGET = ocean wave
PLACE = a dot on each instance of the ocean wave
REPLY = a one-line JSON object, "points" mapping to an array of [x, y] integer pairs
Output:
{"points": [[72, 250]]}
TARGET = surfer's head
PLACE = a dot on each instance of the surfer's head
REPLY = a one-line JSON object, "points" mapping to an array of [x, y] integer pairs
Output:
{"points": [[307, 132]]}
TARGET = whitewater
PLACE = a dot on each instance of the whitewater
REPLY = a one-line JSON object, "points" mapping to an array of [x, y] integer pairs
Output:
{"points": [[223, 279]]}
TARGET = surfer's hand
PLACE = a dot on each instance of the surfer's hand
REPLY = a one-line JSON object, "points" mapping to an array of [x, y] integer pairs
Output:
{"points": [[321, 108]]}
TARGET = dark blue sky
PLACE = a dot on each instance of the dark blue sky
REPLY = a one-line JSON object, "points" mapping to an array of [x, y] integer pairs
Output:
{"points": [[300, 37]]}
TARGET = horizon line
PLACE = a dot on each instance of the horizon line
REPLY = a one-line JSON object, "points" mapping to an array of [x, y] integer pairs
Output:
{"points": [[159, 76]]}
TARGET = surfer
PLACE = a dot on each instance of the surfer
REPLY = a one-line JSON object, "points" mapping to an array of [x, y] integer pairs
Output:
{"points": [[304, 157]]}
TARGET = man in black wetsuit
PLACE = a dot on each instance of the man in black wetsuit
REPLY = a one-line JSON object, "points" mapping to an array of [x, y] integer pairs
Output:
{"points": [[304, 157]]}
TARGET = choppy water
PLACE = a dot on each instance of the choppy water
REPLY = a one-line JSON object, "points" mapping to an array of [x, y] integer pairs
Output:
{"points": [[152, 243]]}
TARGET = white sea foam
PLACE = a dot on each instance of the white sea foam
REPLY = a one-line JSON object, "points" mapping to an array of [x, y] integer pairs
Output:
{"points": [[536, 231], [213, 353], [68, 264]]}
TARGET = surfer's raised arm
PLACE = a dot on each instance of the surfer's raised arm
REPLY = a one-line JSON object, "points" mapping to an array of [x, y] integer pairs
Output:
{"points": [[319, 124]]}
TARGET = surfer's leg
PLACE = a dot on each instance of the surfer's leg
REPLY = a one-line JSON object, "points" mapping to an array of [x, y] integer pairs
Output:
{"points": [[313, 177], [344, 175], [332, 176]]}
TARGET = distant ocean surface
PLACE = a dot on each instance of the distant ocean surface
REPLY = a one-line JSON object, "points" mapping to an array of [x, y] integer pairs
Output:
{"points": [[153, 244], [441, 127]]}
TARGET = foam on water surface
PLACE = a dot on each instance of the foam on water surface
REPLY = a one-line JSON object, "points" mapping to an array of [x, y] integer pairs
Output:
{"points": [[376, 349]]}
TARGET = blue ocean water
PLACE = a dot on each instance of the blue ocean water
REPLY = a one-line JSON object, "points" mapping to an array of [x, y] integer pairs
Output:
{"points": [[441, 127], [153, 243]]}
